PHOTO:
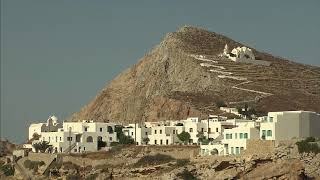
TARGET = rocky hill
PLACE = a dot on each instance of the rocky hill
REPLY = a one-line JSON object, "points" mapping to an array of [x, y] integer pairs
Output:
{"points": [[174, 82]]}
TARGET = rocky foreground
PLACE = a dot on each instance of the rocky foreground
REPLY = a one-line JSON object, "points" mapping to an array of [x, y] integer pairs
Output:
{"points": [[132, 162]]}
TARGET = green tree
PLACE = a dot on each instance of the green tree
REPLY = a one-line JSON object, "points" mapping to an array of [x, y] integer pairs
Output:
{"points": [[41, 146], [118, 130], [220, 103], [123, 139], [146, 140], [184, 137], [200, 137]]}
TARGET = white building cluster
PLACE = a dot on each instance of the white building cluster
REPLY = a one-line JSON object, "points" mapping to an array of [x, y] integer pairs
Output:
{"points": [[223, 136], [242, 55]]}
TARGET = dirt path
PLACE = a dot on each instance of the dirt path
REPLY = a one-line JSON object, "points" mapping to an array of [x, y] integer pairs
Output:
{"points": [[226, 74]]}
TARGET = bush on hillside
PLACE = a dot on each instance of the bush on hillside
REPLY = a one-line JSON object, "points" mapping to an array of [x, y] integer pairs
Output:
{"points": [[92, 177], [182, 162], [73, 177], [7, 170], [32, 164], [153, 160], [220, 103], [310, 139], [186, 175], [307, 147]]}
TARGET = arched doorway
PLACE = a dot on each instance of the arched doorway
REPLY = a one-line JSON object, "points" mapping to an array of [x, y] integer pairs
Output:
{"points": [[89, 139]]}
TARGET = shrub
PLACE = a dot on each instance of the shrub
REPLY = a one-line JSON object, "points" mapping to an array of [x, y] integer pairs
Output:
{"points": [[310, 139], [7, 169], [182, 162], [146, 140], [116, 148], [32, 164], [123, 139], [73, 177], [153, 160], [186, 175], [220, 103], [28, 164], [114, 143], [184, 137], [92, 177], [306, 147], [41, 163], [101, 144], [69, 165]]}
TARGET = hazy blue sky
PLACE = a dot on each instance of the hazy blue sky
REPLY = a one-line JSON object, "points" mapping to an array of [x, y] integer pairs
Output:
{"points": [[57, 55]]}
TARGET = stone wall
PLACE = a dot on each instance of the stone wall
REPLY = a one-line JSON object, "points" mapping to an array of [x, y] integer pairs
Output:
{"points": [[178, 152], [257, 146]]}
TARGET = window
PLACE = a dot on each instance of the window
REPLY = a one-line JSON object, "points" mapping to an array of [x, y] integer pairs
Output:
{"points": [[217, 129], [235, 135], [209, 130], [246, 135], [56, 139], [60, 139], [237, 150], [269, 133], [228, 136], [146, 133], [270, 119], [60, 149], [167, 142], [173, 131], [190, 130], [232, 150], [155, 141], [155, 131], [86, 129], [110, 138], [69, 138], [131, 133], [263, 132], [201, 129], [241, 135], [75, 150], [84, 148], [89, 139], [100, 129], [160, 131], [161, 141], [241, 149]]}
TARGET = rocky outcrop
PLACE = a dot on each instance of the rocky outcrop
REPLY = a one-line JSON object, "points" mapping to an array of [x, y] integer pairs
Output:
{"points": [[283, 163]]}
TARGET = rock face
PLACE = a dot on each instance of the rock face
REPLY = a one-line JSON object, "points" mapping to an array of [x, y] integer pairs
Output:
{"points": [[169, 82]]}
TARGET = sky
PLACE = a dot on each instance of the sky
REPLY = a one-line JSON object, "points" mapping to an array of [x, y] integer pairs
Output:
{"points": [[57, 55]]}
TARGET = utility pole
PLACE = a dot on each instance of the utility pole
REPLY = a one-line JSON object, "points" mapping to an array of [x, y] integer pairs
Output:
{"points": [[69, 140], [208, 127]]}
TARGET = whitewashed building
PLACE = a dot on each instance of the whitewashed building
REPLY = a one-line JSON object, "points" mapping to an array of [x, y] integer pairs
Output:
{"points": [[165, 135], [235, 139], [78, 137], [290, 124], [51, 125], [138, 132]]}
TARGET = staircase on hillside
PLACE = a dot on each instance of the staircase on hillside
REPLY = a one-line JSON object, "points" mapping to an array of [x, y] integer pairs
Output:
{"points": [[70, 148]]}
